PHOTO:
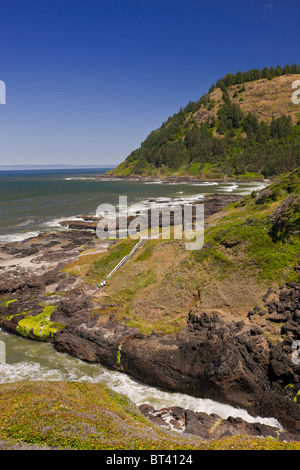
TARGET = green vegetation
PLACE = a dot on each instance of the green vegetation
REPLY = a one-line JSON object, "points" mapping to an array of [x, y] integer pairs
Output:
{"points": [[142, 281], [95, 267], [78, 416], [5, 303], [224, 138], [146, 253], [255, 74], [258, 235], [268, 260], [101, 268], [82, 416], [39, 326]]}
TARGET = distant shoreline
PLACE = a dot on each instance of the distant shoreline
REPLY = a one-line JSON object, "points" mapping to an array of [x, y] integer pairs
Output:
{"points": [[179, 179]]}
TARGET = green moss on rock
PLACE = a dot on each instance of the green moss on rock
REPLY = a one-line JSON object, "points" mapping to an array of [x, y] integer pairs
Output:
{"points": [[39, 327], [5, 303]]}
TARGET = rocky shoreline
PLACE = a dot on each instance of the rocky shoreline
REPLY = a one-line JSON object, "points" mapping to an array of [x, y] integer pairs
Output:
{"points": [[174, 179], [233, 362], [212, 203]]}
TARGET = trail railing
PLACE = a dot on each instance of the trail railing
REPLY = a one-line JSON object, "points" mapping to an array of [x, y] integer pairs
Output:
{"points": [[124, 259]]}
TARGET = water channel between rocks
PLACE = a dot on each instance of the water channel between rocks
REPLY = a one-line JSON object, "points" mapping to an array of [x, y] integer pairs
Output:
{"points": [[25, 360]]}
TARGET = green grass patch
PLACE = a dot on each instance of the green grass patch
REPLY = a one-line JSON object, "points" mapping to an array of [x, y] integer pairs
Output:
{"points": [[136, 284], [252, 247], [248, 175], [98, 270], [146, 253]]}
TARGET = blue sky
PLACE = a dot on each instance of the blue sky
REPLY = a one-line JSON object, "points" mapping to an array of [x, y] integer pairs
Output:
{"points": [[88, 80]]}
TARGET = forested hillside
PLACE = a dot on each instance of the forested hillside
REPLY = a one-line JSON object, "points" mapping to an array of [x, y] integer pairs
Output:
{"points": [[246, 126]]}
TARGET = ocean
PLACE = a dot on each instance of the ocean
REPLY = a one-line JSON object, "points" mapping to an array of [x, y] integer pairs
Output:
{"points": [[36, 201]]}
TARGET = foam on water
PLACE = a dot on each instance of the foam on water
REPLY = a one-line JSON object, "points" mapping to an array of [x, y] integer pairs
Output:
{"points": [[171, 201], [30, 360], [18, 237], [205, 183], [228, 189], [153, 203], [79, 178], [25, 223], [56, 222], [153, 182]]}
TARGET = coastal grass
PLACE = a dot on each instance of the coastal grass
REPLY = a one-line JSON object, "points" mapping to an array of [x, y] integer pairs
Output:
{"points": [[242, 236], [150, 291], [82, 416], [245, 243], [78, 416], [81, 266], [94, 267], [101, 268]]}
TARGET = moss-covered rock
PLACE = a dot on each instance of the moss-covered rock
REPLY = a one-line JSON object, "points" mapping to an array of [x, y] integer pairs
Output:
{"points": [[39, 327]]}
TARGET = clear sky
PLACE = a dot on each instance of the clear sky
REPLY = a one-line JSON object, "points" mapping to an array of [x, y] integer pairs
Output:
{"points": [[88, 80]]}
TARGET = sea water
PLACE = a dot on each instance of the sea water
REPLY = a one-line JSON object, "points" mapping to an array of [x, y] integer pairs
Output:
{"points": [[32, 202]]}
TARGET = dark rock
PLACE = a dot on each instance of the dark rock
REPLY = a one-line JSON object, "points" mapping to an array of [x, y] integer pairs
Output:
{"points": [[212, 426], [271, 307], [278, 317], [296, 316]]}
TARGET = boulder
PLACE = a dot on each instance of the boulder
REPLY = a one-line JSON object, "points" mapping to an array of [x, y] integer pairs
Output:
{"points": [[211, 426]]}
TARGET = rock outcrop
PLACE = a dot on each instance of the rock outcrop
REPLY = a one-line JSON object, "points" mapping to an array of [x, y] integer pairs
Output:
{"points": [[213, 203], [211, 426]]}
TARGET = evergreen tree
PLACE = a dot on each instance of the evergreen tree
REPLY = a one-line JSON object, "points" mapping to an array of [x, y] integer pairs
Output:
{"points": [[286, 69], [272, 72], [265, 73]]}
